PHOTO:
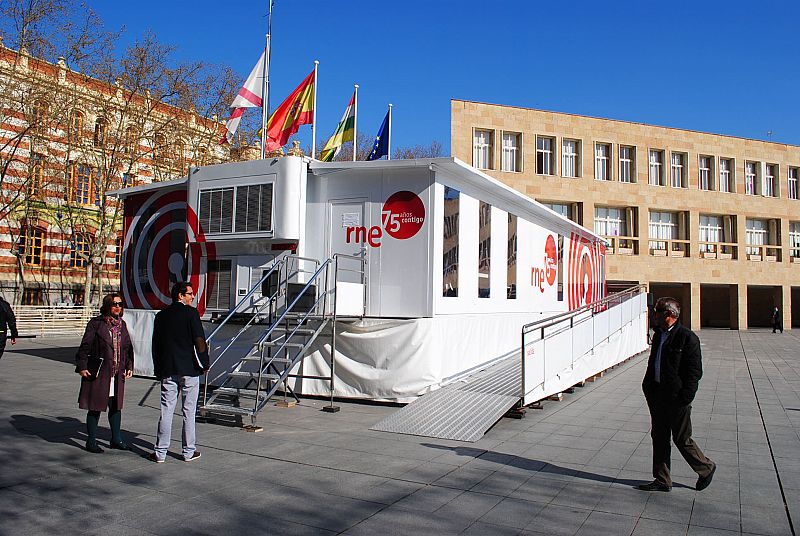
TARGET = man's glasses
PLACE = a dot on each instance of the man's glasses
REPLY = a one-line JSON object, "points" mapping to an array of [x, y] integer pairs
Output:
{"points": [[661, 310], [188, 293]]}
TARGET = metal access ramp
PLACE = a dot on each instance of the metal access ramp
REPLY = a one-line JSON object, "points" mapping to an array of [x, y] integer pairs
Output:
{"points": [[463, 410]]}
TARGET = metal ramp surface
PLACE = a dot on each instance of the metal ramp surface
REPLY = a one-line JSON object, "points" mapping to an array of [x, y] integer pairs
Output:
{"points": [[463, 410]]}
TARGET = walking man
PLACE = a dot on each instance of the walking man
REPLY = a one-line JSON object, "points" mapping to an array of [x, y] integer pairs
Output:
{"points": [[777, 323], [8, 322], [670, 383], [177, 335]]}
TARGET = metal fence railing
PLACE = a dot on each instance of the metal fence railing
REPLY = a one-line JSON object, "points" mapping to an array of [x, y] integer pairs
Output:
{"points": [[52, 321]]}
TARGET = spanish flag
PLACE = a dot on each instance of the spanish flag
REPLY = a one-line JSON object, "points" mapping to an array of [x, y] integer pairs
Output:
{"points": [[296, 110]]}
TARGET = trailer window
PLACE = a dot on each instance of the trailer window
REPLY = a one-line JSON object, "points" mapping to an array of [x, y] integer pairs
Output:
{"points": [[218, 293], [254, 208], [216, 210], [511, 278], [484, 249], [450, 242]]}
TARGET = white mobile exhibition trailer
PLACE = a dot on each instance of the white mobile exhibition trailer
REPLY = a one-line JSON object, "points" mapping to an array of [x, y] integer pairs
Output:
{"points": [[455, 263]]}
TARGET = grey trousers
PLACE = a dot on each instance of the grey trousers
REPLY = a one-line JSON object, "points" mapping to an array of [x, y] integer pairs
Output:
{"points": [[189, 387]]}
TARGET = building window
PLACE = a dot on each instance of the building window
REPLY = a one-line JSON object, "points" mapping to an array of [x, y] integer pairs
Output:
{"points": [[37, 175], [118, 253], [131, 140], [711, 232], [571, 153], [450, 242], [202, 156], [771, 171], [544, 155], [128, 180], [31, 244], [794, 239], [484, 249], [78, 251], [159, 147], [75, 125], [609, 221], [560, 208], [482, 150], [100, 128], [627, 163], [38, 115], [511, 153], [32, 296], [602, 171], [677, 170], [705, 173], [726, 175], [180, 155], [750, 178], [656, 172], [663, 226], [511, 256], [81, 184], [757, 234], [219, 293], [792, 183]]}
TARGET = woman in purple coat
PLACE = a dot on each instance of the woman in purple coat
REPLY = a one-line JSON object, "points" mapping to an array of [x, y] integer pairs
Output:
{"points": [[106, 338]]}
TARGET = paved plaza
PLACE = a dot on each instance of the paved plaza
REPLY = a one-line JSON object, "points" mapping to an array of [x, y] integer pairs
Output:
{"points": [[566, 469]]}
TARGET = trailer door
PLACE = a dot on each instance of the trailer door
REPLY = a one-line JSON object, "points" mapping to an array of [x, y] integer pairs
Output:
{"points": [[347, 214]]}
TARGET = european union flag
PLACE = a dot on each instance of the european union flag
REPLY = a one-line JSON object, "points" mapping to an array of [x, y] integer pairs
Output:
{"points": [[381, 145]]}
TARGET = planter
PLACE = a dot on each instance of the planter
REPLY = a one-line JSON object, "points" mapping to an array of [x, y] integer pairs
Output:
{"points": [[658, 252], [625, 251], [770, 258], [709, 255], [796, 260], [753, 257], [726, 256], [677, 253]]}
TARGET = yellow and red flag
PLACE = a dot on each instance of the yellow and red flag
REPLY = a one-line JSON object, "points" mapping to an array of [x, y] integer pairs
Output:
{"points": [[296, 110]]}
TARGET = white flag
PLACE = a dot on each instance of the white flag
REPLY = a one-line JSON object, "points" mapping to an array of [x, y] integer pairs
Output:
{"points": [[250, 96]]}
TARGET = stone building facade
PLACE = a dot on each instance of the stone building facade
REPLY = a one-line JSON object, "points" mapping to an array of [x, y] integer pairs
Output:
{"points": [[712, 220], [65, 140]]}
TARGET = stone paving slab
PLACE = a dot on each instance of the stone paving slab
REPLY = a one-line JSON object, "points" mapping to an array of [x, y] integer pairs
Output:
{"points": [[566, 469]]}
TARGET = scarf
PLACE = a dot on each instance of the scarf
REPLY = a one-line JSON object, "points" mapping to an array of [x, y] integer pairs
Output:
{"points": [[115, 330]]}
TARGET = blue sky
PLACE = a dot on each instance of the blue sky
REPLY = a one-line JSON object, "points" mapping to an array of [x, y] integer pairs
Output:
{"points": [[725, 67]]}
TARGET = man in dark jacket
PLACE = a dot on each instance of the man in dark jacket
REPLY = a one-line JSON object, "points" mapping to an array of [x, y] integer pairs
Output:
{"points": [[670, 383], [8, 322], [180, 356]]}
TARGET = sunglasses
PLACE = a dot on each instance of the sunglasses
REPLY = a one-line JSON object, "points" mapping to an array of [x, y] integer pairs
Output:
{"points": [[116, 304], [661, 310]]}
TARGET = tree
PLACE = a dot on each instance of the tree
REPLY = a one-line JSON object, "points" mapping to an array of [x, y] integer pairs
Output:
{"points": [[91, 123]]}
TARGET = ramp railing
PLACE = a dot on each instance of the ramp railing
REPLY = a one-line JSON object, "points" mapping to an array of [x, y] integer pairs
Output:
{"points": [[560, 351]]}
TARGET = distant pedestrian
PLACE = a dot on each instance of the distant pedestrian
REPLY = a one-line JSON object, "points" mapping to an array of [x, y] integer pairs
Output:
{"points": [[777, 321], [104, 361], [670, 384], [177, 335], [8, 322]]}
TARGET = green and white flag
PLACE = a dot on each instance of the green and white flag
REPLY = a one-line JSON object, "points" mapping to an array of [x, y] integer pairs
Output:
{"points": [[346, 131]]}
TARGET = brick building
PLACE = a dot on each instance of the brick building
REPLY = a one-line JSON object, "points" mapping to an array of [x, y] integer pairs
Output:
{"points": [[713, 220], [66, 139]]}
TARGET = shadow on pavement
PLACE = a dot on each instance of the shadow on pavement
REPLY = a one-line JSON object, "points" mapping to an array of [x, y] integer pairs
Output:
{"points": [[71, 431], [536, 465], [63, 355]]}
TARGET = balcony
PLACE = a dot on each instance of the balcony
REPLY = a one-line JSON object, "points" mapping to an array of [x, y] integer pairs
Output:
{"points": [[668, 247], [763, 253], [719, 250], [622, 245]]}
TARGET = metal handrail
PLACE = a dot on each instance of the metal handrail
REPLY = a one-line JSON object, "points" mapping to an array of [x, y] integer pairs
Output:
{"points": [[545, 323], [278, 262]]}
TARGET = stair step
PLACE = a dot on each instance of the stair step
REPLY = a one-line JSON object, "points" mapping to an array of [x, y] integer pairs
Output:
{"points": [[253, 375], [284, 344], [276, 360], [221, 408], [250, 393]]}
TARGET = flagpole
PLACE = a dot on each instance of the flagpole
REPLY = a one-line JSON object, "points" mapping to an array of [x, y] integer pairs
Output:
{"points": [[314, 117], [389, 141], [355, 125], [265, 86]]}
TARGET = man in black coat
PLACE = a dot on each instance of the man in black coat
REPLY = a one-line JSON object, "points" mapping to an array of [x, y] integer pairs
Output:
{"points": [[8, 322], [180, 356], [670, 383]]}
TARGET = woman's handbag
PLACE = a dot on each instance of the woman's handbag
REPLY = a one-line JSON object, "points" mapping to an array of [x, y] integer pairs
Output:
{"points": [[93, 365]]}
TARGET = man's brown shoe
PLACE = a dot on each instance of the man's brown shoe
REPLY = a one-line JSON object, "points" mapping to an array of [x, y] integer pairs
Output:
{"points": [[655, 485], [704, 481]]}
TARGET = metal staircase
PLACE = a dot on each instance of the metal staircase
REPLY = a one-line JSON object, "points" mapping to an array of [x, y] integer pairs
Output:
{"points": [[297, 304]]}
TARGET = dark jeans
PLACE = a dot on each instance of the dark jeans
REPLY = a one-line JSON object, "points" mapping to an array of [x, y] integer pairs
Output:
{"points": [[676, 421], [3, 338]]}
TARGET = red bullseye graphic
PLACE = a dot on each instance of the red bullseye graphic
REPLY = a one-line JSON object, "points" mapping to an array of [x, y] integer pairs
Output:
{"points": [[403, 215], [550, 260]]}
